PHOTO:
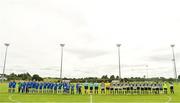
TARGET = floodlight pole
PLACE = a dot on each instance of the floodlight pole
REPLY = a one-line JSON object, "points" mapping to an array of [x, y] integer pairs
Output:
{"points": [[147, 71], [62, 45], [118, 46], [4, 67], [174, 62]]}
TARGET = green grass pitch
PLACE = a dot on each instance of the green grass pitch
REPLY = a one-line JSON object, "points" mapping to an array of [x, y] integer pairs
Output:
{"points": [[62, 98]]}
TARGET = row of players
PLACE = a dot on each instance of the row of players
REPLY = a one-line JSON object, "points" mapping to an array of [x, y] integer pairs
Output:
{"points": [[104, 88]]}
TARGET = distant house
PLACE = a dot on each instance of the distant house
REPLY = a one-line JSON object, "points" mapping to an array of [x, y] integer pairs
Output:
{"points": [[66, 81], [115, 81], [2, 78]]}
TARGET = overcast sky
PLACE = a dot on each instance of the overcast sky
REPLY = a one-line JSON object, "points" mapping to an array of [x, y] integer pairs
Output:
{"points": [[90, 30]]}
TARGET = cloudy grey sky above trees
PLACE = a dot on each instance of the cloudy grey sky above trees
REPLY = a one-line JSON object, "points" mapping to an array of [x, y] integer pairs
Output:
{"points": [[90, 29]]}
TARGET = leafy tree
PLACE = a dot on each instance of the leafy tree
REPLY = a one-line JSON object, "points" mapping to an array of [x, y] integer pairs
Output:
{"points": [[37, 77], [24, 76], [104, 77], [12, 76], [179, 77], [162, 78], [112, 77], [117, 77]]}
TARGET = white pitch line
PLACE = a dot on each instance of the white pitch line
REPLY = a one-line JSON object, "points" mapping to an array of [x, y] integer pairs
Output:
{"points": [[90, 98], [12, 100], [169, 99], [86, 102]]}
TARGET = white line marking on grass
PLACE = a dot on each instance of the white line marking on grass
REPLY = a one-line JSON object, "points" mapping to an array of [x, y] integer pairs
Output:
{"points": [[96, 102], [90, 98], [169, 99], [12, 100]]}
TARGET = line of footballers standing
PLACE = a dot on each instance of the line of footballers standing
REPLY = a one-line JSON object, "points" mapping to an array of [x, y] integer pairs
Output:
{"points": [[92, 88]]}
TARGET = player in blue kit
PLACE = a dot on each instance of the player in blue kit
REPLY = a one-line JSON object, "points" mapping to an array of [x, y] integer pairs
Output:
{"points": [[55, 87], [59, 87], [47, 87], [10, 87], [33, 86], [23, 87], [51, 87], [28, 87], [77, 88], [37, 87], [64, 87], [13, 86], [40, 87], [44, 87], [67, 88]]}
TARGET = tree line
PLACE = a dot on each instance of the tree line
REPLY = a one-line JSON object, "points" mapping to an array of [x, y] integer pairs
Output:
{"points": [[23, 76], [36, 77]]}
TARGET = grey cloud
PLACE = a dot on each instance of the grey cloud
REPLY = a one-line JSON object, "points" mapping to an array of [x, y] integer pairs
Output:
{"points": [[16, 70], [87, 37], [50, 68], [87, 53], [163, 57], [83, 71]]}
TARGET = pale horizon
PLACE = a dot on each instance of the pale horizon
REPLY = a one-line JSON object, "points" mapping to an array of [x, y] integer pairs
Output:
{"points": [[90, 31]]}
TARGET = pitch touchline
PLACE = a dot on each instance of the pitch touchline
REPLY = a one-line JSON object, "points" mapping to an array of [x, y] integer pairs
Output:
{"points": [[90, 98], [169, 99], [86, 102], [10, 98]]}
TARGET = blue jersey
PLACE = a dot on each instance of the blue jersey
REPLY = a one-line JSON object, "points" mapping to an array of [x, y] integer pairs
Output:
{"points": [[23, 85], [40, 85], [55, 86], [45, 85], [60, 86], [33, 84], [52, 86], [77, 86], [67, 86], [29, 84], [13, 84], [48, 85], [26, 85], [36, 85]]}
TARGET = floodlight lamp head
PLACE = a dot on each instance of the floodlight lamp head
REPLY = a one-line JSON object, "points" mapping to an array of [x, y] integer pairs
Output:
{"points": [[172, 45], [118, 45], [6, 44], [62, 45]]}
